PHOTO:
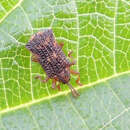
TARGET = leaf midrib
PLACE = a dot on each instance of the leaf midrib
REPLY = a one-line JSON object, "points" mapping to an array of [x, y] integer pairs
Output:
{"points": [[61, 93]]}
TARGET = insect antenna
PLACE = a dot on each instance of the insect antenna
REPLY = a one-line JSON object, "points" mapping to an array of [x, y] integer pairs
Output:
{"points": [[74, 92]]}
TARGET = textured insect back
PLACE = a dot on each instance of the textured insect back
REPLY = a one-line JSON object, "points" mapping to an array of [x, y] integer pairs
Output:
{"points": [[49, 54], [39, 41]]}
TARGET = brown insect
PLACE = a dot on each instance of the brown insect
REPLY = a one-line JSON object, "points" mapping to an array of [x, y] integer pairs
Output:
{"points": [[49, 54]]}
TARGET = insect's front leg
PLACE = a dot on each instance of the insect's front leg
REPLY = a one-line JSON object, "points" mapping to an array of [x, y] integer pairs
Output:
{"points": [[58, 86], [78, 79], [40, 78]]}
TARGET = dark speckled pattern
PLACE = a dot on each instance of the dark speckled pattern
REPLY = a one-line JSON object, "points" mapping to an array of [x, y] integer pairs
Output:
{"points": [[52, 58]]}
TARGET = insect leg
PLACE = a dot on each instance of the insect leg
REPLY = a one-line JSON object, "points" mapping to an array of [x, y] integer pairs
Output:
{"points": [[61, 44], [34, 58], [69, 54], [73, 61], [78, 79], [54, 84], [58, 86], [40, 78]]}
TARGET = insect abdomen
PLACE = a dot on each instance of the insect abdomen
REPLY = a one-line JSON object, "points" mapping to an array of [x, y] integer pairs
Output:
{"points": [[54, 63]]}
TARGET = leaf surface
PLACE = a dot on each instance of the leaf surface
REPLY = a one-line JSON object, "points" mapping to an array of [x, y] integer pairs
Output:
{"points": [[98, 32]]}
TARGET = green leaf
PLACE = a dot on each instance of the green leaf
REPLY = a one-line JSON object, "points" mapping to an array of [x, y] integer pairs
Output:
{"points": [[104, 106], [98, 32]]}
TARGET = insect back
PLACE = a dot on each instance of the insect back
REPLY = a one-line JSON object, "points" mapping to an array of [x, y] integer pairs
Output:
{"points": [[46, 51]]}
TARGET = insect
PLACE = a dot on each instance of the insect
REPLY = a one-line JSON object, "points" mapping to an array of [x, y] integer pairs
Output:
{"points": [[46, 51]]}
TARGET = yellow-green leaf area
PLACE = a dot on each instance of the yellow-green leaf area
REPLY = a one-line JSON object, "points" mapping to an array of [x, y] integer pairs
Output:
{"points": [[98, 33]]}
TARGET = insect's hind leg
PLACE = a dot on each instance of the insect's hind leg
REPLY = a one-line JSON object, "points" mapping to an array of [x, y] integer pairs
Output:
{"points": [[78, 79], [61, 44], [40, 78]]}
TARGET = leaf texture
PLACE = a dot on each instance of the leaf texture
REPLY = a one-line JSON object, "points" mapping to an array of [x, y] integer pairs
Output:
{"points": [[98, 32]]}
